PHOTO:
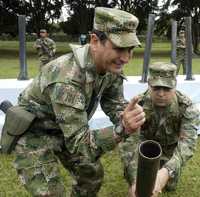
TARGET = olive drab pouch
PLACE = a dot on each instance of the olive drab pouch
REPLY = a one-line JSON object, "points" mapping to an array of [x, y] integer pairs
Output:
{"points": [[17, 121]]}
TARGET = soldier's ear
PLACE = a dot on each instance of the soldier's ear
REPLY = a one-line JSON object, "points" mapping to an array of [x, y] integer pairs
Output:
{"points": [[94, 39]]}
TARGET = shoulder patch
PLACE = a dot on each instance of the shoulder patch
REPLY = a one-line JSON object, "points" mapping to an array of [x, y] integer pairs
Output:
{"points": [[68, 95]]}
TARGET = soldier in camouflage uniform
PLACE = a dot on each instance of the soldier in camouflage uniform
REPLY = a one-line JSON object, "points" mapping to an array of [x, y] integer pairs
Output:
{"points": [[64, 96], [46, 48], [171, 120], [180, 51]]}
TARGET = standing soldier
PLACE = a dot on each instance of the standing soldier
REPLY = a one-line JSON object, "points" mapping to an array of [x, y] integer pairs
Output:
{"points": [[171, 120], [61, 100], [180, 52], [46, 48]]}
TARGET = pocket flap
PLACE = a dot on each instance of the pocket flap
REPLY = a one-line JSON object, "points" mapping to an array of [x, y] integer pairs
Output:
{"points": [[17, 120]]}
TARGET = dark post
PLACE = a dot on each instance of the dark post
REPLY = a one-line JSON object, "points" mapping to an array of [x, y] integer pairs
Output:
{"points": [[188, 55], [147, 52], [173, 41], [23, 75]]}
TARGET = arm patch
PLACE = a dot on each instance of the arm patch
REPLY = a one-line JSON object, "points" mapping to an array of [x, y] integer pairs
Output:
{"points": [[69, 95]]}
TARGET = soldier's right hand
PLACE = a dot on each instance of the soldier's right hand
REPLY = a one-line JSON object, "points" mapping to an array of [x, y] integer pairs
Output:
{"points": [[133, 116], [131, 191]]}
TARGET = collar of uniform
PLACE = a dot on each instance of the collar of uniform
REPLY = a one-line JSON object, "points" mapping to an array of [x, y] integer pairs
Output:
{"points": [[80, 54]]}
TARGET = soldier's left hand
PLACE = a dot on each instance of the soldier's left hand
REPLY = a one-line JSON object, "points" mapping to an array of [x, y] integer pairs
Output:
{"points": [[161, 181], [131, 190], [133, 116]]}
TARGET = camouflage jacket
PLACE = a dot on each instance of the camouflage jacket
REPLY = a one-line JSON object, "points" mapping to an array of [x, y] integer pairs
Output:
{"points": [[66, 94], [46, 48], [175, 129], [181, 43]]}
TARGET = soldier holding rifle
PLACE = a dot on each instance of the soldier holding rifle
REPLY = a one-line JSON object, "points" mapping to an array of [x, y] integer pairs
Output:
{"points": [[46, 48]]}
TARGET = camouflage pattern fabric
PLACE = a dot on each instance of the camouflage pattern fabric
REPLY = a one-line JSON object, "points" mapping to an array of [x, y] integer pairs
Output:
{"points": [[46, 49], [175, 129], [162, 74], [63, 97], [180, 54], [118, 25]]}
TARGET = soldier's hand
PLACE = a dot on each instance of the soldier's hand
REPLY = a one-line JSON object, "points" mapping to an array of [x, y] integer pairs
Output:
{"points": [[133, 116], [161, 181], [131, 191]]}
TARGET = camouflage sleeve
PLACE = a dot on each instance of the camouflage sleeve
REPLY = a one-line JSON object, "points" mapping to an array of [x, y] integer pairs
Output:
{"points": [[113, 102], [53, 46], [68, 103], [37, 44], [180, 43], [187, 140], [128, 150]]}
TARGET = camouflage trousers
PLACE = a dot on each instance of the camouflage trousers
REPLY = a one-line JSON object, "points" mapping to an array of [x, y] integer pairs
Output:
{"points": [[129, 155], [37, 164], [180, 60]]}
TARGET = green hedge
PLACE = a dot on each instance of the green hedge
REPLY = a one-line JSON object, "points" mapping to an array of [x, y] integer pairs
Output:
{"points": [[55, 37], [74, 38]]}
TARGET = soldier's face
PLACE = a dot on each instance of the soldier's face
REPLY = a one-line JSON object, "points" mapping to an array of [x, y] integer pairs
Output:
{"points": [[161, 96], [108, 57], [43, 34]]}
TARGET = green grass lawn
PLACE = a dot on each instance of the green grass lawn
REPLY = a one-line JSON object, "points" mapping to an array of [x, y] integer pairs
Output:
{"points": [[114, 185], [9, 62]]}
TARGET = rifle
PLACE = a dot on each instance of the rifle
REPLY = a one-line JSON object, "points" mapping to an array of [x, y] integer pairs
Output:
{"points": [[45, 48], [148, 164]]}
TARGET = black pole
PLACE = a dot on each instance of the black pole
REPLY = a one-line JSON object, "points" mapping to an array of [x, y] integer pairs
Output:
{"points": [[23, 75], [147, 52], [188, 52], [173, 41]]}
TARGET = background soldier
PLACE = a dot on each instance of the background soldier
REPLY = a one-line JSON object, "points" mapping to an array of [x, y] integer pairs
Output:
{"points": [[46, 48], [62, 99], [171, 120], [180, 51]]}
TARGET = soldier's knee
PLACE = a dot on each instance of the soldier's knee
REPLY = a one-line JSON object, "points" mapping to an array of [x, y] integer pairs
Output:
{"points": [[42, 183], [46, 189]]}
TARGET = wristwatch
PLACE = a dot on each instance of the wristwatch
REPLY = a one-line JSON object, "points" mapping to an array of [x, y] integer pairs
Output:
{"points": [[170, 172], [120, 131]]}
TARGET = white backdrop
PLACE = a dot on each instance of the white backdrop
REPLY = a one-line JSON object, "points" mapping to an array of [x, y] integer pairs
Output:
{"points": [[10, 89]]}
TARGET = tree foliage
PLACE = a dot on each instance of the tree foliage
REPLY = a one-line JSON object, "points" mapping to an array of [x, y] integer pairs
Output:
{"points": [[81, 14], [38, 13], [184, 8]]}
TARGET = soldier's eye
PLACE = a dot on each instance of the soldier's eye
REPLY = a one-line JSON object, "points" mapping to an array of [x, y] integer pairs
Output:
{"points": [[159, 88]]}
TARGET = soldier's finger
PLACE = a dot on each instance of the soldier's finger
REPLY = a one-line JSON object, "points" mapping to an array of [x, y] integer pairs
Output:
{"points": [[132, 103]]}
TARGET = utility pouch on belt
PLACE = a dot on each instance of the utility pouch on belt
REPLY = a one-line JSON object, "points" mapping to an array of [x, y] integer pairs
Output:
{"points": [[16, 123]]}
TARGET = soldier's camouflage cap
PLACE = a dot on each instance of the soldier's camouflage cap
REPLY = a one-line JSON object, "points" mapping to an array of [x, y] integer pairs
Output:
{"points": [[119, 26], [43, 31], [162, 74]]}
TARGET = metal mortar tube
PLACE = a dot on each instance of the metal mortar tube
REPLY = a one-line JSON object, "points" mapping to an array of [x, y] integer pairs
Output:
{"points": [[148, 164]]}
